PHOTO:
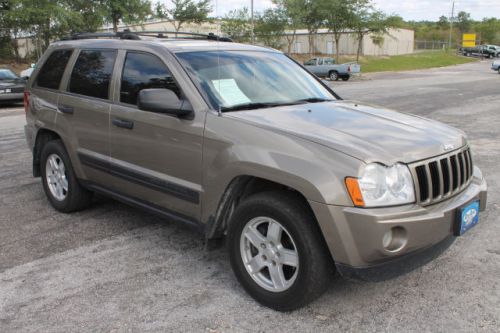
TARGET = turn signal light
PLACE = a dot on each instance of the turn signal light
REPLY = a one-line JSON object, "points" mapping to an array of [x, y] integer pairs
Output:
{"points": [[354, 191]]}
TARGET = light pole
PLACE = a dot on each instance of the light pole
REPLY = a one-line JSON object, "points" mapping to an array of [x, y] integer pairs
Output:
{"points": [[251, 22], [451, 24]]}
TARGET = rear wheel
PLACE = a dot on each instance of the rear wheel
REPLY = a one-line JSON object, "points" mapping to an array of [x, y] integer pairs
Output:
{"points": [[333, 75], [277, 251], [345, 78], [59, 181]]}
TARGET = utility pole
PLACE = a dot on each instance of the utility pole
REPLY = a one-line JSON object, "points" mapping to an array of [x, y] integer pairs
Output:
{"points": [[451, 23], [252, 23]]}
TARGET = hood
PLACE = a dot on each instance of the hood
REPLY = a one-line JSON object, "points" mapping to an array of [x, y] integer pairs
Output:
{"points": [[368, 133]]}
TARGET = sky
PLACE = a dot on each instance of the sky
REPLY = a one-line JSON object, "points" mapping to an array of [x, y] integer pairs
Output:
{"points": [[409, 9]]}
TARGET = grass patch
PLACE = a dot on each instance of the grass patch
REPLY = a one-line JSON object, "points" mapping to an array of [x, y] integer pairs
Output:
{"points": [[412, 61], [420, 60]]}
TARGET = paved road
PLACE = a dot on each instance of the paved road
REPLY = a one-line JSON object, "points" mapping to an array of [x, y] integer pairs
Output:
{"points": [[112, 268]]}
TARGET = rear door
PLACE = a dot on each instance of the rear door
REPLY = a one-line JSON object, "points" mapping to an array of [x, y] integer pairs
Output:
{"points": [[44, 91], [155, 158], [84, 108]]}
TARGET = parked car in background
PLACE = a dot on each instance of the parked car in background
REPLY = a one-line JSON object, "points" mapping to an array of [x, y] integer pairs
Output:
{"points": [[479, 51], [496, 66], [494, 48], [326, 67], [11, 86], [27, 72]]}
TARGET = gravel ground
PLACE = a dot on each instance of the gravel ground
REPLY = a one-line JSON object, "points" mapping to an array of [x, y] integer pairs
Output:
{"points": [[113, 268]]}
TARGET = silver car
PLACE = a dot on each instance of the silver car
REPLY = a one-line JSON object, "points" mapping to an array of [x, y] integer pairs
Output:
{"points": [[496, 66], [11, 87]]}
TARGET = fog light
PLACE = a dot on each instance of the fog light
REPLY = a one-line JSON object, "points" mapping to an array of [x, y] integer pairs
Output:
{"points": [[394, 239]]}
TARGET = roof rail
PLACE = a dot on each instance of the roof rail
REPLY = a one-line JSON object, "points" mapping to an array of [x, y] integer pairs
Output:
{"points": [[136, 35]]}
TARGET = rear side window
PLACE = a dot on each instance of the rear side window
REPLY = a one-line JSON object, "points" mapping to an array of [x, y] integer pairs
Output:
{"points": [[92, 73], [53, 69], [144, 71]]}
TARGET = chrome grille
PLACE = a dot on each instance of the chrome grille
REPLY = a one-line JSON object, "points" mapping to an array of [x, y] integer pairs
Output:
{"points": [[441, 177]]}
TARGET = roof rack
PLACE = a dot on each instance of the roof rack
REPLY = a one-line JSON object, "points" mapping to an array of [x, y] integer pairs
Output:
{"points": [[136, 35]]}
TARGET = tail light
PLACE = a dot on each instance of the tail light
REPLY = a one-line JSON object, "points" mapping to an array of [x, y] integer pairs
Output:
{"points": [[349, 68], [26, 101]]}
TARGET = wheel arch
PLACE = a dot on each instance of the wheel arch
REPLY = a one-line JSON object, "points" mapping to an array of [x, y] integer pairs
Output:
{"points": [[43, 136], [242, 187]]}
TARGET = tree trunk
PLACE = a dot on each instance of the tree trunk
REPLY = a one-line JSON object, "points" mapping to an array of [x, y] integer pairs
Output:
{"points": [[311, 43], [115, 24], [360, 43], [290, 41], [337, 41]]}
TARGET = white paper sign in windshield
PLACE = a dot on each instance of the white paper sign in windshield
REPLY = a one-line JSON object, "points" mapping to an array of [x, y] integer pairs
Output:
{"points": [[230, 92]]}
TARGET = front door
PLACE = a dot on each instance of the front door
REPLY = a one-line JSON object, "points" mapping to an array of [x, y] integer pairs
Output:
{"points": [[155, 158]]}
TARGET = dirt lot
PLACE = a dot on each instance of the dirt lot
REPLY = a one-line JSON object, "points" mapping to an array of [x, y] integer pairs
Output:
{"points": [[112, 268]]}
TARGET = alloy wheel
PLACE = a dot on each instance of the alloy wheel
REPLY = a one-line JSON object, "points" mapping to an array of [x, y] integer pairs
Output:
{"points": [[269, 254], [57, 180]]}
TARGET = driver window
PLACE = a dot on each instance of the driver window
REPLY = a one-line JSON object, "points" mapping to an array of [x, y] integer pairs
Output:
{"points": [[144, 71]]}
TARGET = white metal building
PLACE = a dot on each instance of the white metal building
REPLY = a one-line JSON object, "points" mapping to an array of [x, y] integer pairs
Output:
{"points": [[397, 41]]}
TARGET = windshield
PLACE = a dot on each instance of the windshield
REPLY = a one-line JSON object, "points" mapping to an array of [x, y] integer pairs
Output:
{"points": [[7, 74], [237, 80]]}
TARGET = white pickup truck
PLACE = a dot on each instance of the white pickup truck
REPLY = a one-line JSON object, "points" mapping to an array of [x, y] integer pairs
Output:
{"points": [[326, 67]]}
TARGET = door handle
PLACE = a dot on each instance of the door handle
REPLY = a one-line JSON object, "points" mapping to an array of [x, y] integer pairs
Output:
{"points": [[65, 109], [123, 123]]}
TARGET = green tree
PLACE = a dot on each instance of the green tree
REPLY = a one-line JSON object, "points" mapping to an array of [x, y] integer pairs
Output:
{"points": [[313, 17], [489, 29], [49, 19], [463, 22], [184, 11], [236, 24], [270, 27], [127, 11], [443, 22], [339, 15], [293, 11]]}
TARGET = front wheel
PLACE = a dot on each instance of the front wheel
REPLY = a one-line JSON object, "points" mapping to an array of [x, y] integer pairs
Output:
{"points": [[277, 251], [334, 76]]}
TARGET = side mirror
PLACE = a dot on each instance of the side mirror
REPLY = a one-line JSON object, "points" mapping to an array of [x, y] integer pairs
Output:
{"points": [[164, 101]]}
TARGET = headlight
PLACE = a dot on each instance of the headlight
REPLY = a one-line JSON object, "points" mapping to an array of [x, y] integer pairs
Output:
{"points": [[379, 185]]}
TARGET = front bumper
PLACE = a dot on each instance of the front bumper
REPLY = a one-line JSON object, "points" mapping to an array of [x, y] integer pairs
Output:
{"points": [[354, 235], [11, 97]]}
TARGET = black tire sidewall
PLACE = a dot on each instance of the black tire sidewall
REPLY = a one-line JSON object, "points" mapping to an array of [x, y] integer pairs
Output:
{"points": [[293, 297], [56, 147]]}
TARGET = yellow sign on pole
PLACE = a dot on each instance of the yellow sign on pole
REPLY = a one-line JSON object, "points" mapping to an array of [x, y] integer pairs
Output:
{"points": [[468, 40]]}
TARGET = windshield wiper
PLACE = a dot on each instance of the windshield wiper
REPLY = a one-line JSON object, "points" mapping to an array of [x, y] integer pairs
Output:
{"points": [[251, 106], [314, 100], [260, 105]]}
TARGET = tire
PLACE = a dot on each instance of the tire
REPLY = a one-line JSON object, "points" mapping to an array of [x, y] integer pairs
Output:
{"points": [[498, 70], [62, 189], [333, 76], [300, 234], [345, 78]]}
